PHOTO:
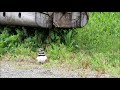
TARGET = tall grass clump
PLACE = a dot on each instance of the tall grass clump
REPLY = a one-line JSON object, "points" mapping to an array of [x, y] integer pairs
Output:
{"points": [[102, 33], [101, 40]]}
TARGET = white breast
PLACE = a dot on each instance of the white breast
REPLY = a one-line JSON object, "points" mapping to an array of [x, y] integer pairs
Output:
{"points": [[41, 59]]}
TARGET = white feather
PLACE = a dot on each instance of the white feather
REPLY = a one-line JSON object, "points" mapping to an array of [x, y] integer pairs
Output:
{"points": [[41, 59]]}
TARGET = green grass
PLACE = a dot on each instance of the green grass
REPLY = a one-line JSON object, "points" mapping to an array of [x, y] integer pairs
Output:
{"points": [[95, 47]]}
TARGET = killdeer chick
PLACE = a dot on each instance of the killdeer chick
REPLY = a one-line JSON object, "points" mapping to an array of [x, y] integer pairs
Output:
{"points": [[41, 58]]}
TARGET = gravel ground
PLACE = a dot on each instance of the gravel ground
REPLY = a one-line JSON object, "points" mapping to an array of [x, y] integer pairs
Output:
{"points": [[10, 69]]}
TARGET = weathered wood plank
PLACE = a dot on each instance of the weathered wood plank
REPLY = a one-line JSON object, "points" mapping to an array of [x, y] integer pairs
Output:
{"points": [[35, 19], [18, 18], [70, 19], [84, 18], [62, 19], [45, 19]]}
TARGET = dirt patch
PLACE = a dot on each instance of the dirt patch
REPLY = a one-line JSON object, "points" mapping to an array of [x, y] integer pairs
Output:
{"points": [[31, 69]]}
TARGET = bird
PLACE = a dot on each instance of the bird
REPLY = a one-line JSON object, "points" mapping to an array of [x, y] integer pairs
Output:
{"points": [[41, 58]]}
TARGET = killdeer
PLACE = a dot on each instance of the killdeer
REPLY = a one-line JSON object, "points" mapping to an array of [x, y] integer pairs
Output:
{"points": [[41, 58]]}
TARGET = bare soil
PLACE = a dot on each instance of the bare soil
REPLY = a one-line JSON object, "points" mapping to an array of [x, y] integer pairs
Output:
{"points": [[25, 69]]}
